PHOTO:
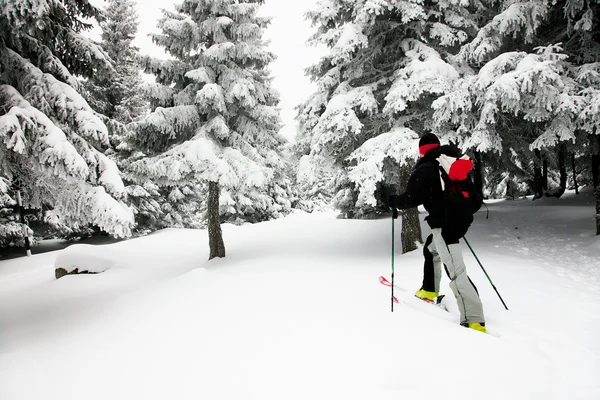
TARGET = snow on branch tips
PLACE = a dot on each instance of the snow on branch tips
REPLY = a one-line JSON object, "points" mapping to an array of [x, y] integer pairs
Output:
{"points": [[397, 144], [411, 10], [247, 31], [90, 51], [57, 153], [350, 39], [519, 17], [455, 105], [17, 14], [211, 97], [249, 173], [194, 159], [50, 62], [217, 126], [340, 117], [426, 72], [171, 121], [68, 105], [162, 95], [588, 78], [202, 75], [109, 214], [110, 176], [243, 91], [166, 71], [220, 52], [244, 10], [83, 203]]}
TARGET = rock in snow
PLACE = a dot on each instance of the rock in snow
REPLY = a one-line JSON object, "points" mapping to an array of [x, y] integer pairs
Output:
{"points": [[82, 259]]}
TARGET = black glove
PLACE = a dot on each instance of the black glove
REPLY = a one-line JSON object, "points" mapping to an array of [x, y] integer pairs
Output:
{"points": [[393, 201]]}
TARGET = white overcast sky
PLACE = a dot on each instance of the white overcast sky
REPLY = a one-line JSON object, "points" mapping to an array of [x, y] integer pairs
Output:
{"points": [[288, 35]]}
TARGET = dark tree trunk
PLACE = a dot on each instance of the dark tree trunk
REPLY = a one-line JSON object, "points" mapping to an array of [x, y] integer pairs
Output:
{"points": [[597, 192], [595, 168], [545, 174], [510, 194], [411, 230], [411, 226], [538, 190], [595, 160], [478, 173], [562, 167], [574, 173], [595, 146], [215, 235]]}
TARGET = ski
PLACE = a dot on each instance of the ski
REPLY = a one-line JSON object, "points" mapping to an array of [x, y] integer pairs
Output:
{"points": [[437, 302]]}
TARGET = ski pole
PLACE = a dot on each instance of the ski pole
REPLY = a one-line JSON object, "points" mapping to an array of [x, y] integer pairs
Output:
{"points": [[485, 272], [394, 216]]}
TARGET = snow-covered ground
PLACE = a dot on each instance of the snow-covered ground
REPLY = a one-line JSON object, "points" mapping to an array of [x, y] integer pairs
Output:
{"points": [[296, 311]]}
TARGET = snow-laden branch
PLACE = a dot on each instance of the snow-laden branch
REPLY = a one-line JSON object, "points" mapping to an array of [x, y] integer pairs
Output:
{"points": [[58, 99], [24, 127], [425, 72], [398, 144], [519, 19], [202, 159]]}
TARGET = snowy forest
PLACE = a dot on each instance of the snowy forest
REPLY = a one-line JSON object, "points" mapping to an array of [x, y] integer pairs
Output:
{"points": [[90, 146]]}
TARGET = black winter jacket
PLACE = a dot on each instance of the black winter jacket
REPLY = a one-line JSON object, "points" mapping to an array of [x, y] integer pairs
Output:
{"points": [[424, 187]]}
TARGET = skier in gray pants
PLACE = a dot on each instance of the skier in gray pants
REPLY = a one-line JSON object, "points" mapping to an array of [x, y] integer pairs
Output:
{"points": [[448, 224]]}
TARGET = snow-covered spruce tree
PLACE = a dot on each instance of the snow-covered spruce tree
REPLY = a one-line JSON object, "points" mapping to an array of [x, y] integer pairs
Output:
{"points": [[120, 95], [52, 140], [387, 62], [217, 124], [529, 78]]}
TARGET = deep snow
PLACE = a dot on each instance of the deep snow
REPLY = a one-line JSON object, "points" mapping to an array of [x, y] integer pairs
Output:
{"points": [[296, 311]]}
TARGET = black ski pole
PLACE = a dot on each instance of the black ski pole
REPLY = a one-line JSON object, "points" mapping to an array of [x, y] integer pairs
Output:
{"points": [[485, 272], [394, 216]]}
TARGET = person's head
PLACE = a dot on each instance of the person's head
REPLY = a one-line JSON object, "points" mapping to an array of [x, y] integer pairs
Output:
{"points": [[427, 142]]}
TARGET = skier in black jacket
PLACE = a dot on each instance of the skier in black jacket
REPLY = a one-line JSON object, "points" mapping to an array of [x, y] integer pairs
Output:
{"points": [[448, 226]]}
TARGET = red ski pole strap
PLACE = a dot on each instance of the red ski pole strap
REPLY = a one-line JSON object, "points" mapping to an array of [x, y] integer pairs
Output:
{"points": [[385, 282]]}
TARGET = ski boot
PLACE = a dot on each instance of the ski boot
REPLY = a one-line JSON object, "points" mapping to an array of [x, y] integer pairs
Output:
{"points": [[426, 296], [475, 325]]}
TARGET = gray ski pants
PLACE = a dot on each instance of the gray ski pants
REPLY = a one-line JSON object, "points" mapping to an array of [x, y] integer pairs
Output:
{"points": [[469, 303]]}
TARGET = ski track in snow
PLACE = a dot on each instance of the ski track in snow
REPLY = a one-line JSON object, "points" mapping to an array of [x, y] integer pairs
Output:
{"points": [[295, 311]]}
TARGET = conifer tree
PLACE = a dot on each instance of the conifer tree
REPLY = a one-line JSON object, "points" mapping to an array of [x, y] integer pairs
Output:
{"points": [[388, 61], [216, 125], [529, 90], [52, 141], [119, 95]]}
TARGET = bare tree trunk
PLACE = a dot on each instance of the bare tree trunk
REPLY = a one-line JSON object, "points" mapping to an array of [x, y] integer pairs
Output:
{"points": [[597, 192], [545, 173], [411, 230], [562, 166], [574, 173], [538, 190], [411, 226], [215, 235], [594, 142], [596, 175], [510, 194]]}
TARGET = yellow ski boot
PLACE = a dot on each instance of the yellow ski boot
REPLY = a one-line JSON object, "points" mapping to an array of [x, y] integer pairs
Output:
{"points": [[426, 296], [475, 325]]}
